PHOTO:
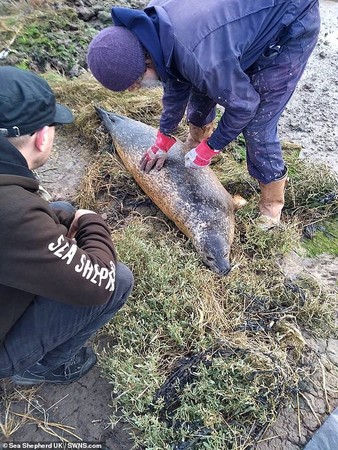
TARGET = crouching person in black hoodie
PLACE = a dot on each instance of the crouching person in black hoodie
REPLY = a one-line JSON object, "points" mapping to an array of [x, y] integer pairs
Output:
{"points": [[59, 276]]}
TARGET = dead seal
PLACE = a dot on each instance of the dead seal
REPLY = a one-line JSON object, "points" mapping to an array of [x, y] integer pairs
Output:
{"points": [[194, 200]]}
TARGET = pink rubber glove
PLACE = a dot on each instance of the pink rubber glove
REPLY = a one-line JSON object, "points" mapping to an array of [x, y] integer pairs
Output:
{"points": [[200, 156], [157, 153]]}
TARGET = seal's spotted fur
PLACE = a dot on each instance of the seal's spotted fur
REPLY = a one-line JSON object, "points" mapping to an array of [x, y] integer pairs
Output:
{"points": [[193, 199]]}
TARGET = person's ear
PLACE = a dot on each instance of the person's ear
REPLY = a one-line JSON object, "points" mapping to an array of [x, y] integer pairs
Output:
{"points": [[42, 139]]}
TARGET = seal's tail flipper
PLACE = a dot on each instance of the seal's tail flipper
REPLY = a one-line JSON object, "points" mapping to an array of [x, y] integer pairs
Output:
{"points": [[239, 201]]}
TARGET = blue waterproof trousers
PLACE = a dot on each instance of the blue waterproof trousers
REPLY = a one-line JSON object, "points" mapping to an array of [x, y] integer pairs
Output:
{"points": [[274, 76]]}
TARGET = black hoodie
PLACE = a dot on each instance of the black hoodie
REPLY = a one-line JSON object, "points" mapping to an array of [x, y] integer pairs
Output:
{"points": [[36, 256]]}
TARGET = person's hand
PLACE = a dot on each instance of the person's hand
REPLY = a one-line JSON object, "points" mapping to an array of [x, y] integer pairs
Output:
{"points": [[74, 225], [200, 156], [157, 153]]}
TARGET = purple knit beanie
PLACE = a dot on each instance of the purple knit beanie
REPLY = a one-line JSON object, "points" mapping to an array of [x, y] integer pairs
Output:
{"points": [[116, 58]]}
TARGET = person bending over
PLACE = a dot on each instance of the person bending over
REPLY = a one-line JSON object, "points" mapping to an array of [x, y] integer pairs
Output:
{"points": [[246, 56]]}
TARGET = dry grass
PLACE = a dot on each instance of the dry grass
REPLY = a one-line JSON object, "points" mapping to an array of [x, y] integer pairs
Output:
{"points": [[200, 362], [180, 311], [21, 407], [84, 94], [230, 351]]}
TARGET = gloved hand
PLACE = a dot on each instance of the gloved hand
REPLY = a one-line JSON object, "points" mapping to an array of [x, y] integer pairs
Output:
{"points": [[200, 156], [157, 153]]}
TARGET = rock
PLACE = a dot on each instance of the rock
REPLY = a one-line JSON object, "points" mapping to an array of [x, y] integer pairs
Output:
{"points": [[332, 351], [308, 87], [85, 13], [76, 71], [104, 17]]}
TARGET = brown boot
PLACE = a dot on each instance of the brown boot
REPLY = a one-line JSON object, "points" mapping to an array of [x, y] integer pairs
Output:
{"points": [[271, 203], [197, 134]]}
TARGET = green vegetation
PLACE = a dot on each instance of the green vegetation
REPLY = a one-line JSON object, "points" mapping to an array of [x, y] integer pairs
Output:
{"points": [[196, 361], [247, 324], [43, 40], [199, 361], [325, 239]]}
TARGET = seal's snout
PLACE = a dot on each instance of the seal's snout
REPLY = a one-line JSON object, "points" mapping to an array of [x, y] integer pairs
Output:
{"points": [[223, 267], [225, 270], [215, 254], [219, 265]]}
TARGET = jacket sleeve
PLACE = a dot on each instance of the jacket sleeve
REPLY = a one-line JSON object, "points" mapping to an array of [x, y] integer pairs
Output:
{"points": [[64, 217], [38, 257], [175, 99], [230, 87]]}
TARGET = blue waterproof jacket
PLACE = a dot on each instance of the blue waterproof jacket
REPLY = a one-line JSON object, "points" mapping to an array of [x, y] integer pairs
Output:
{"points": [[209, 45]]}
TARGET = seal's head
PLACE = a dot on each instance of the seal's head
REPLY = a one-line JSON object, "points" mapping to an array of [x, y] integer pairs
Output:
{"points": [[215, 253]]}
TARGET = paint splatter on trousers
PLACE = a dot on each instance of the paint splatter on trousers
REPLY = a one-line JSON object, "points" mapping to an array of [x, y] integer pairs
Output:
{"points": [[274, 76]]}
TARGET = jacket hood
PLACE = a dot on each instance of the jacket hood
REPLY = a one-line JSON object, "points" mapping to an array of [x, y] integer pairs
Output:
{"points": [[145, 27]]}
